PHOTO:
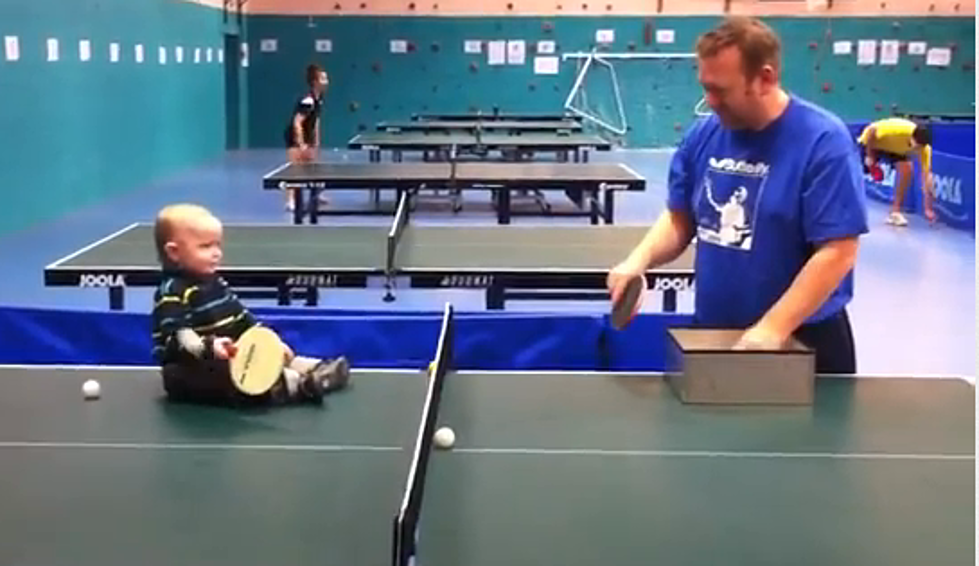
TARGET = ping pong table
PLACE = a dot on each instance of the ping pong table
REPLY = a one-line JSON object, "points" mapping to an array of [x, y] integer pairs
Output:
{"points": [[511, 126], [286, 262], [447, 144], [496, 115], [572, 468], [591, 186]]}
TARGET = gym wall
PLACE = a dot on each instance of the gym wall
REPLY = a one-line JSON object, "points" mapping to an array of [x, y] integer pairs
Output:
{"points": [[73, 132], [369, 83]]}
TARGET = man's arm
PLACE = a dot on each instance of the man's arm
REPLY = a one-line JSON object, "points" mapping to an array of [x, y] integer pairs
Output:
{"points": [[665, 240], [834, 215], [297, 129], [820, 276]]}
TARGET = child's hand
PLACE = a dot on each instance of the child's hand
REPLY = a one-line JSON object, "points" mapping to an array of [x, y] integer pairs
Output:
{"points": [[289, 354], [224, 348]]}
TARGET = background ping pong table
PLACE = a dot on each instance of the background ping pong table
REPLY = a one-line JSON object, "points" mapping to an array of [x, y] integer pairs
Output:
{"points": [[576, 469], [270, 261], [441, 145], [591, 186], [511, 126], [496, 115]]}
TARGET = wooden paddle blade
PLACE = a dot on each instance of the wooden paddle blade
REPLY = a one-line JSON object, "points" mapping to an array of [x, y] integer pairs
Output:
{"points": [[629, 302], [258, 362]]}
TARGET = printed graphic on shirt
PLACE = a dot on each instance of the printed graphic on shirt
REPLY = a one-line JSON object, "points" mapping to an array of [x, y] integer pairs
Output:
{"points": [[727, 200]]}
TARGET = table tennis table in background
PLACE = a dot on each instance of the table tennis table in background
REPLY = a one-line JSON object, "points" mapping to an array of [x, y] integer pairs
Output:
{"points": [[590, 186], [510, 126], [496, 115], [571, 468], [445, 145], [283, 262]]}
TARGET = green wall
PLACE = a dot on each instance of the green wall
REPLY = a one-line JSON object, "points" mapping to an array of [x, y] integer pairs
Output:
{"points": [[74, 132], [658, 96]]}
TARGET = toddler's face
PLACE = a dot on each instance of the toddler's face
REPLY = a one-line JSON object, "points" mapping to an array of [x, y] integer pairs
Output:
{"points": [[197, 245]]}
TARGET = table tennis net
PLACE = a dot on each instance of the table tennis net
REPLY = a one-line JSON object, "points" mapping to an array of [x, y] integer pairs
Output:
{"points": [[396, 232], [406, 521]]}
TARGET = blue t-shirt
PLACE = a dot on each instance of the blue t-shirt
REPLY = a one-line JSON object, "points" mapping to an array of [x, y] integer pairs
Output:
{"points": [[761, 202]]}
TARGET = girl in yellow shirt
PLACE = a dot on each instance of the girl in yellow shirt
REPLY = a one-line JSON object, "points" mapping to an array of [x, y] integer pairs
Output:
{"points": [[897, 141]]}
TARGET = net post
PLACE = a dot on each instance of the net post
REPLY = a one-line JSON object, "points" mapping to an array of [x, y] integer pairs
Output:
{"points": [[392, 240]]}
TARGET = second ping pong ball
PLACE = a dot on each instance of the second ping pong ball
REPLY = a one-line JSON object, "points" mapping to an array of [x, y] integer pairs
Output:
{"points": [[91, 389], [444, 437]]}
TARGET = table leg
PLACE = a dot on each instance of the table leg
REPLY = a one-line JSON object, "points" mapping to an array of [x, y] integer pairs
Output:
{"points": [[503, 210], [117, 298], [298, 206], [609, 207]]}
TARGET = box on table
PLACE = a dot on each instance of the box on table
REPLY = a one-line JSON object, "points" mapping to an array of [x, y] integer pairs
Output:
{"points": [[705, 369]]}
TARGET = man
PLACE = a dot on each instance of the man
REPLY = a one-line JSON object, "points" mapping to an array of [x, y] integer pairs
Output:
{"points": [[302, 133], [771, 187], [897, 141]]}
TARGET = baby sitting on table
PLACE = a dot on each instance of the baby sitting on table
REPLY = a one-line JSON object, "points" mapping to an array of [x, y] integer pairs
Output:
{"points": [[197, 319]]}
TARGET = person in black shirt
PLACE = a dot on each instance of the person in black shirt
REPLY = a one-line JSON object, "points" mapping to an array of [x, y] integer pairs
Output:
{"points": [[302, 134], [197, 318]]}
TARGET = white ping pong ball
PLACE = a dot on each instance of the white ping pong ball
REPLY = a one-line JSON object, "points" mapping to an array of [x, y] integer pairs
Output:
{"points": [[444, 437], [91, 389]]}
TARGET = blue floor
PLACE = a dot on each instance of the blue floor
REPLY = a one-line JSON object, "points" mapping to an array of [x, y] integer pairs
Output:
{"points": [[914, 312]]}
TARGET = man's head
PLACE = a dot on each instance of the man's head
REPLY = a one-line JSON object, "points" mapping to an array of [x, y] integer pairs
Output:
{"points": [[921, 135], [317, 78], [188, 237], [739, 63]]}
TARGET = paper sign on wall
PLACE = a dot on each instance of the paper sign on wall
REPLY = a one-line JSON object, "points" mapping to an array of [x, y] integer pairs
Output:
{"points": [[546, 47], [866, 52], [220, 55], [842, 47], [496, 53], [268, 45], [545, 65], [52, 50], [917, 48], [113, 52], [605, 36], [399, 46], [197, 55], [938, 57], [210, 54], [84, 50], [665, 36], [324, 45], [11, 48], [889, 50], [163, 55], [472, 46], [516, 52], [138, 53], [179, 54], [244, 54]]}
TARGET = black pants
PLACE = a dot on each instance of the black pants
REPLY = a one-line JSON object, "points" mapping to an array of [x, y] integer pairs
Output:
{"points": [[832, 339], [208, 382]]}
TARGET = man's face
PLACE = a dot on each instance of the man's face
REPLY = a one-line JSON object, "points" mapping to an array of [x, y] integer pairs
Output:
{"points": [[322, 81], [735, 98]]}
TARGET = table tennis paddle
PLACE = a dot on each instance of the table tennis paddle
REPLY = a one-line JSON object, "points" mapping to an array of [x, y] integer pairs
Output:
{"points": [[877, 173], [258, 360], [629, 303]]}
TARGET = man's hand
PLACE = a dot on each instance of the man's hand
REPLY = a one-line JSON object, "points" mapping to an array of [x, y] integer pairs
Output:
{"points": [[762, 337], [224, 348], [619, 277]]}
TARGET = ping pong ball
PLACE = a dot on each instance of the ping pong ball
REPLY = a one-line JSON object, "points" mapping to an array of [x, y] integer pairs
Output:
{"points": [[91, 389], [444, 437]]}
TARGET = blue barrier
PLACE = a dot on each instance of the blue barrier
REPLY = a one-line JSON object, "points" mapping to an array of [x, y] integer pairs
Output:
{"points": [[492, 341]]}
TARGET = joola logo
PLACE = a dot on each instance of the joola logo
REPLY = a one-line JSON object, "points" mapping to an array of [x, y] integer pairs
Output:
{"points": [[948, 189], [672, 284], [729, 165], [101, 280]]}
